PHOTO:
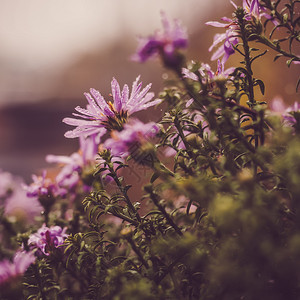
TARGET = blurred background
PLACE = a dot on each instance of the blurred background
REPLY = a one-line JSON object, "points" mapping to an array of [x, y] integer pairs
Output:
{"points": [[53, 51]]}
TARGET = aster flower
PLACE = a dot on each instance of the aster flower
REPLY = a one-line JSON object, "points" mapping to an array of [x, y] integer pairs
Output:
{"points": [[11, 270], [131, 138], [47, 239], [73, 165], [290, 115], [14, 199], [164, 43], [229, 39], [207, 74], [41, 186], [255, 10], [100, 116], [22, 207]]}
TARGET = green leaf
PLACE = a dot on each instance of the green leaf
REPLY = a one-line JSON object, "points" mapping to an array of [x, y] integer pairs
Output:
{"points": [[261, 85], [188, 207], [154, 177], [288, 62]]}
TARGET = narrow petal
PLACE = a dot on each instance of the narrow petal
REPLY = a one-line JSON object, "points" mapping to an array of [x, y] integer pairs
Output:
{"points": [[188, 74], [234, 5], [147, 105], [61, 159], [76, 122], [92, 103], [218, 38], [143, 92], [165, 23], [85, 112], [134, 85], [125, 94], [216, 24], [220, 51], [99, 98], [115, 89]]}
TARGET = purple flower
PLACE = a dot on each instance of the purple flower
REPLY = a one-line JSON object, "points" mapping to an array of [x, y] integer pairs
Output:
{"points": [[277, 105], [131, 138], [10, 270], [252, 7], [164, 43], [101, 116], [19, 205], [46, 239], [14, 198], [41, 186], [69, 176], [291, 114], [207, 75], [228, 39], [255, 10]]}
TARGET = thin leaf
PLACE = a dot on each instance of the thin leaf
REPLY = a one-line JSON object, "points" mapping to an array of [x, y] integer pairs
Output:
{"points": [[261, 85]]}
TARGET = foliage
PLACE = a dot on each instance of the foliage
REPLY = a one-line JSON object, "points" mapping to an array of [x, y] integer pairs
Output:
{"points": [[219, 214]]}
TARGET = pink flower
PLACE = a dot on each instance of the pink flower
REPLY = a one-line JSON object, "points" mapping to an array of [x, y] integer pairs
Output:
{"points": [[73, 165], [290, 115], [228, 39], [46, 239], [277, 105], [255, 10], [131, 138], [19, 205], [101, 116], [207, 75], [10, 270], [14, 199], [42, 186], [164, 43]]}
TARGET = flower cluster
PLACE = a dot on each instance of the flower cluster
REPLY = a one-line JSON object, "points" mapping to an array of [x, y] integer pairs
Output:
{"points": [[47, 239]]}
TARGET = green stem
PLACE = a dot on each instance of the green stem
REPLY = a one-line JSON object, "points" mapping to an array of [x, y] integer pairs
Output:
{"points": [[182, 136], [247, 60], [138, 252], [276, 47], [123, 191], [162, 169], [156, 199]]}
